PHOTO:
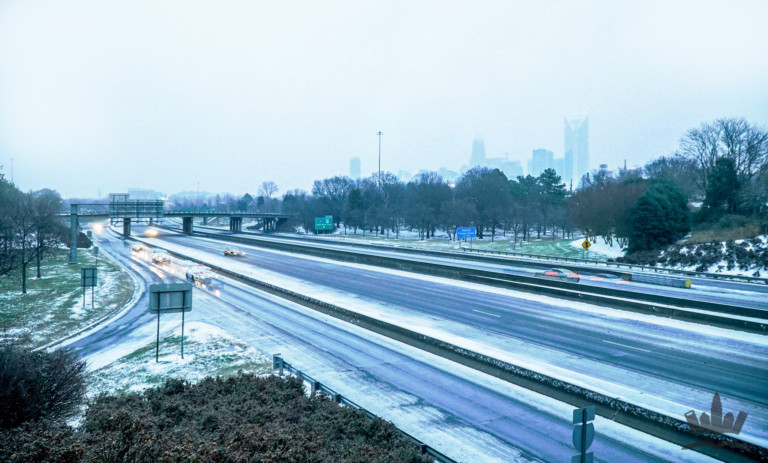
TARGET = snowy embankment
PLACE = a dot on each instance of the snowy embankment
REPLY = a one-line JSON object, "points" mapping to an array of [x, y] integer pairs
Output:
{"points": [[739, 257], [600, 247], [663, 396], [209, 351]]}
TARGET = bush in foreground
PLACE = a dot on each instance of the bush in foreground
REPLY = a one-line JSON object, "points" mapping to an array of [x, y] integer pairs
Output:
{"points": [[38, 385], [237, 419]]}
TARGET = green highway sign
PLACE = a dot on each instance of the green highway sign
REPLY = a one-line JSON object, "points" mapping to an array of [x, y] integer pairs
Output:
{"points": [[324, 223]]}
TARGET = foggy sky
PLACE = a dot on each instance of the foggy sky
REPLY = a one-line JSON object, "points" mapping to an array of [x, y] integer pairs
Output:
{"points": [[165, 94]]}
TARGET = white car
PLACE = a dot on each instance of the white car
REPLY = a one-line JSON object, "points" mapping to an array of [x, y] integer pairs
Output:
{"points": [[199, 275], [161, 257], [137, 247]]}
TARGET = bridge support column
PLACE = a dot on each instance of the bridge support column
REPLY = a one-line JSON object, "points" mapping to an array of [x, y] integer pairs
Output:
{"points": [[205, 220], [73, 226], [127, 227], [186, 225], [235, 224]]}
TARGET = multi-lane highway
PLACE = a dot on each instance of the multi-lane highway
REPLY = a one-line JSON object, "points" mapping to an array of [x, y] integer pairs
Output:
{"points": [[466, 414], [675, 365], [723, 292]]}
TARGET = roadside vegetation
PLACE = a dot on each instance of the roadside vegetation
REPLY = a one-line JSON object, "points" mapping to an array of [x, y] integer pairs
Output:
{"points": [[208, 351], [721, 167], [52, 306], [240, 418]]}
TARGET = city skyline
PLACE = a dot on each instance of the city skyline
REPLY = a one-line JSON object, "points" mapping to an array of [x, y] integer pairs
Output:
{"points": [[285, 94]]}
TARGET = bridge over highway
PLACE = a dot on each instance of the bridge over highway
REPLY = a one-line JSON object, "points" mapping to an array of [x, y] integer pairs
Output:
{"points": [[120, 208]]}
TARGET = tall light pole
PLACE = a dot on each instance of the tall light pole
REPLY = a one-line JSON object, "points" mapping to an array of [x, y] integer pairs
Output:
{"points": [[379, 157]]}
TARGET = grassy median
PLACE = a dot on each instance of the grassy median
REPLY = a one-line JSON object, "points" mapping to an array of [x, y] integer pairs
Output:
{"points": [[53, 306]]}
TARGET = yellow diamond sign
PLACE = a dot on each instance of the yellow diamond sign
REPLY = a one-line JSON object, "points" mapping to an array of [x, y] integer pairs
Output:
{"points": [[586, 244]]}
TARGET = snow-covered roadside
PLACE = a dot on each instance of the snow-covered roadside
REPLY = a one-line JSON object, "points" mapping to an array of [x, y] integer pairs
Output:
{"points": [[139, 289], [208, 351], [668, 398], [599, 247]]}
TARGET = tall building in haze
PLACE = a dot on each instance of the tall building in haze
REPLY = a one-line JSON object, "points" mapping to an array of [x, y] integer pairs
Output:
{"points": [[576, 149], [478, 153], [540, 161], [354, 168]]}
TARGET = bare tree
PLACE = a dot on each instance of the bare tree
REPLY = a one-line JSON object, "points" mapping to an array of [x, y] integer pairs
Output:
{"points": [[267, 189], [45, 205], [735, 139]]}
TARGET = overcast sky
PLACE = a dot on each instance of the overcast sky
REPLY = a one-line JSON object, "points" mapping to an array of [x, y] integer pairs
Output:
{"points": [[157, 94]]}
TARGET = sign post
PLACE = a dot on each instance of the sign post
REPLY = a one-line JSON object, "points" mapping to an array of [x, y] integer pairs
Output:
{"points": [[324, 223], [583, 434], [170, 298], [88, 280], [466, 232], [586, 245]]}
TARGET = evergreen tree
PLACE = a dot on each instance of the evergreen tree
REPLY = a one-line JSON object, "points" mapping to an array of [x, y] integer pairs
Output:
{"points": [[660, 217]]}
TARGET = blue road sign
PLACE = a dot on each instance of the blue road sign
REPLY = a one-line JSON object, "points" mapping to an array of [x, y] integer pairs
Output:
{"points": [[466, 232]]}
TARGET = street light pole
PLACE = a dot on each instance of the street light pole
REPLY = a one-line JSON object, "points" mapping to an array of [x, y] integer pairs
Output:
{"points": [[379, 157]]}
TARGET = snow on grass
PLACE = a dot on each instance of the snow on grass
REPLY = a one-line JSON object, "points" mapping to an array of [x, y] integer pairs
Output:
{"points": [[600, 248], [208, 351], [53, 306]]}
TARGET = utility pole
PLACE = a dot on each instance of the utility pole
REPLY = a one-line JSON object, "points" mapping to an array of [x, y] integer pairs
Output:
{"points": [[379, 157], [12, 169]]}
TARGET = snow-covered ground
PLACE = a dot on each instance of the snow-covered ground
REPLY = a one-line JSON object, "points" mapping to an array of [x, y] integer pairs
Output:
{"points": [[208, 351], [600, 247], [656, 394]]}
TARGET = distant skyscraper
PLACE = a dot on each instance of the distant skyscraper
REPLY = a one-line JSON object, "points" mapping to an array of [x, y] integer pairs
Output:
{"points": [[542, 159], [354, 168], [576, 149], [478, 153], [559, 167]]}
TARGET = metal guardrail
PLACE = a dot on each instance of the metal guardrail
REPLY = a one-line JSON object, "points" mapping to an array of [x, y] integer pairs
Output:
{"points": [[716, 276], [278, 363], [662, 280]]}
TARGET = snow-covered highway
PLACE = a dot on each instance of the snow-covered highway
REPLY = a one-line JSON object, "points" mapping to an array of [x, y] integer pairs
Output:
{"points": [[465, 414], [666, 365]]}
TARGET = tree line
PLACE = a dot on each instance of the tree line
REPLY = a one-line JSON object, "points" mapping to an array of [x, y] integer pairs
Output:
{"points": [[29, 228], [723, 165]]}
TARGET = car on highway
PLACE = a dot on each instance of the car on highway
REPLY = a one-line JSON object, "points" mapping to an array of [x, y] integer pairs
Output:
{"points": [[559, 274], [619, 280], [137, 247], [199, 275], [161, 257], [234, 252]]}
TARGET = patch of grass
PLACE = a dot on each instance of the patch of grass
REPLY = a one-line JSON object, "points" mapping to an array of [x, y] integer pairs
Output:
{"points": [[726, 228], [543, 246], [53, 306]]}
